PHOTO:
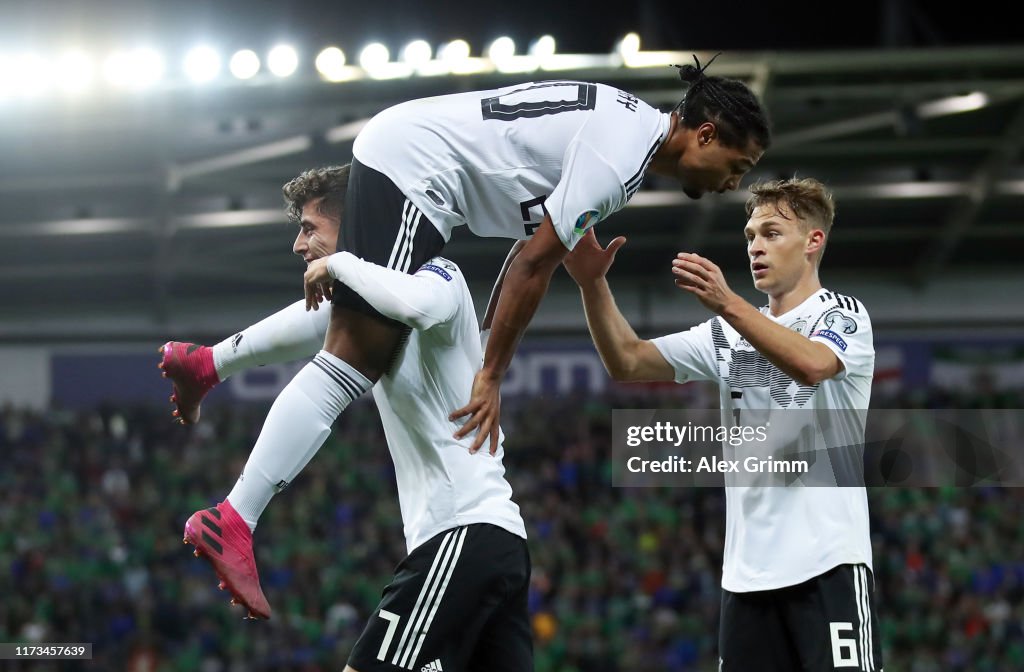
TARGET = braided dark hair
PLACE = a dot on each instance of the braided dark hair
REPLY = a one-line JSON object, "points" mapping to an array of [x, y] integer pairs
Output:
{"points": [[727, 103]]}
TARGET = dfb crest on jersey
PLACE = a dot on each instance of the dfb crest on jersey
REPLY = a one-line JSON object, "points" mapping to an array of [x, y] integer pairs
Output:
{"points": [[836, 321]]}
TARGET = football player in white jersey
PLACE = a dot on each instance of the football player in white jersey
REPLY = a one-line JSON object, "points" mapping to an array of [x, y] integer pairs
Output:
{"points": [[457, 509], [459, 600], [797, 581], [544, 161]]}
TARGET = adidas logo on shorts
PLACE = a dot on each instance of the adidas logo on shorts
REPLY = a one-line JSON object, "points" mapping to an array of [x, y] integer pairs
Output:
{"points": [[432, 667]]}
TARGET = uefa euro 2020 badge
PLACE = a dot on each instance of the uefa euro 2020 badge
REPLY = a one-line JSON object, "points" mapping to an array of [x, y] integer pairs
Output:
{"points": [[585, 221]]}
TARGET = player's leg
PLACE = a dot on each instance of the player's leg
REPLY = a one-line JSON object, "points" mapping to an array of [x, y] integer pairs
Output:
{"points": [[281, 452], [289, 334], [752, 635], [432, 614], [382, 227], [832, 620]]}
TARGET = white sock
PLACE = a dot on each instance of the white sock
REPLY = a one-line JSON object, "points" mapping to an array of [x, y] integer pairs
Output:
{"points": [[296, 427], [287, 335]]}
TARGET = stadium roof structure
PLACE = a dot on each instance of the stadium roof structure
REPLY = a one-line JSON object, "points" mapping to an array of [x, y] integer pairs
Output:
{"points": [[135, 206]]}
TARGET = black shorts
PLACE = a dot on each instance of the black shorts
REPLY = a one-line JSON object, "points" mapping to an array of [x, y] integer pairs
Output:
{"points": [[827, 623], [457, 603], [382, 226]]}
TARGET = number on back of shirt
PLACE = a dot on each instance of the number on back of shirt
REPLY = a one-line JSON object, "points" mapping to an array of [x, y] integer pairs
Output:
{"points": [[540, 100]]}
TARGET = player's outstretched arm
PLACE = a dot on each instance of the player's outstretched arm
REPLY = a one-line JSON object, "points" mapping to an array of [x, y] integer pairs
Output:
{"points": [[524, 286], [626, 356], [421, 301], [805, 361]]}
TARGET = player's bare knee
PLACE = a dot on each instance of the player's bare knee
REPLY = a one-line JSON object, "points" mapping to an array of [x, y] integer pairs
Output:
{"points": [[349, 668]]}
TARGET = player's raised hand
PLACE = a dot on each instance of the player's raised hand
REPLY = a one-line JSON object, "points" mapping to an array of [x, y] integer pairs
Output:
{"points": [[588, 261], [484, 411], [318, 283], [703, 278]]}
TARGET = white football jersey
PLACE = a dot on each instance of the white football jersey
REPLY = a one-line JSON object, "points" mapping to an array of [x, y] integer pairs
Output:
{"points": [[497, 160], [440, 484], [786, 534]]}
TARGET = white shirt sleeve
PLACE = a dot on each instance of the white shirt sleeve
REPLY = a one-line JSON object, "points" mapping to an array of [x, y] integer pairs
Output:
{"points": [[422, 300], [691, 353], [848, 334], [589, 190]]}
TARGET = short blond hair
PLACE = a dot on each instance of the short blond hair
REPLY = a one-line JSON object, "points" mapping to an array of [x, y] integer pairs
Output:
{"points": [[809, 200]]}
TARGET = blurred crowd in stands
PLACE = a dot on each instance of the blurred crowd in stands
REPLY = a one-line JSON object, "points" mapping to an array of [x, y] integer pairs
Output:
{"points": [[92, 507]]}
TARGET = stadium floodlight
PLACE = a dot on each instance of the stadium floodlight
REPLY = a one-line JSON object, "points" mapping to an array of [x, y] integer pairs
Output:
{"points": [[629, 46], [417, 53], [628, 50], [501, 50], [283, 60], [330, 63], [202, 64], [244, 64], [455, 52], [543, 47], [138, 68], [374, 56], [455, 58], [73, 71]]}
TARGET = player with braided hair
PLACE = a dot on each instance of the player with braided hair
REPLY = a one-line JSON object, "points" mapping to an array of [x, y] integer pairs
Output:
{"points": [[727, 103], [543, 161]]}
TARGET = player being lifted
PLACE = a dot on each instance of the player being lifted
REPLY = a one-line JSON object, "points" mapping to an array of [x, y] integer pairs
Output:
{"points": [[544, 161]]}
